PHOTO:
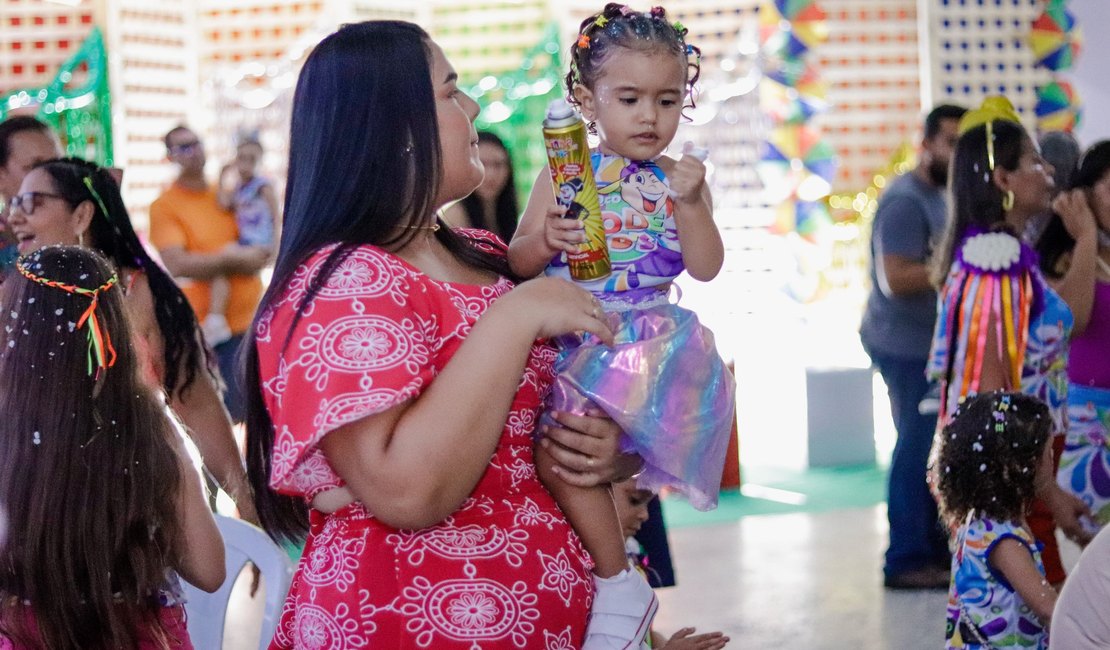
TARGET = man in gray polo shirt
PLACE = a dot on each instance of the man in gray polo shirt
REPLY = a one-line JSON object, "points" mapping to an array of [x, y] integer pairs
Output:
{"points": [[897, 329]]}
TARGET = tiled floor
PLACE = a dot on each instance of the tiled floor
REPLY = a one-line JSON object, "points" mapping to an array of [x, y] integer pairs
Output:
{"points": [[777, 582]]}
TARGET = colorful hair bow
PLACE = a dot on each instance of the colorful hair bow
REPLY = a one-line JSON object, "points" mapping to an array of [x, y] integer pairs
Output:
{"points": [[100, 342]]}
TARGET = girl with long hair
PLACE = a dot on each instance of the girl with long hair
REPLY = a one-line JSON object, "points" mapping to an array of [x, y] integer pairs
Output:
{"points": [[1000, 325], [395, 374], [75, 202], [101, 498]]}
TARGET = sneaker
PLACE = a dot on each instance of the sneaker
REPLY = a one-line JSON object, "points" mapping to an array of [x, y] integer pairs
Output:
{"points": [[621, 616], [925, 578], [215, 329]]}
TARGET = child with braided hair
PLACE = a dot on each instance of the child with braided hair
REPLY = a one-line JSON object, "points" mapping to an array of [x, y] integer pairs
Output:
{"points": [[102, 501], [663, 381]]}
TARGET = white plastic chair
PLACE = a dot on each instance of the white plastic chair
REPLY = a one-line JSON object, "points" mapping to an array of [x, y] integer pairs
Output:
{"points": [[243, 542]]}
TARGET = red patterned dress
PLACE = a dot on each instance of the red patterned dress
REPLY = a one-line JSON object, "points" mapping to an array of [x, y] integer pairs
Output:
{"points": [[505, 570]]}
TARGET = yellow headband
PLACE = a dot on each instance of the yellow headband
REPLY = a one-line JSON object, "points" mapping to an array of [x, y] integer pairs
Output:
{"points": [[993, 109]]}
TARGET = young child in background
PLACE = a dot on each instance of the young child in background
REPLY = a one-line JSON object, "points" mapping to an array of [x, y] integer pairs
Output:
{"points": [[632, 509], [103, 504], [254, 201], [991, 457], [663, 381]]}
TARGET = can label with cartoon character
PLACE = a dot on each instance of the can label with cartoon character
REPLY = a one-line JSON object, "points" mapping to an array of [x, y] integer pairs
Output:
{"points": [[572, 177]]}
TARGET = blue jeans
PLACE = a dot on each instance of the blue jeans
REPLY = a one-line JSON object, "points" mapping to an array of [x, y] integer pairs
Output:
{"points": [[917, 538], [227, 355]]}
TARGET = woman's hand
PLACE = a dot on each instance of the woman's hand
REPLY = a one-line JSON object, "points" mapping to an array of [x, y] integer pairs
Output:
{"points": [[1075, 212], [1066, 511], [587, 449], [553, 306]]}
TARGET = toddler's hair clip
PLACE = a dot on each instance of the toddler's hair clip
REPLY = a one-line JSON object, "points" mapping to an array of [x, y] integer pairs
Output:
{"points": [[601, 21], [583, 41], [625, 10], [680, 28], [658, 12]]}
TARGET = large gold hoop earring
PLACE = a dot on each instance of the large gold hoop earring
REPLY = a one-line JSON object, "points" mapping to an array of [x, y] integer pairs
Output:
{"points": [[1008, 201]]}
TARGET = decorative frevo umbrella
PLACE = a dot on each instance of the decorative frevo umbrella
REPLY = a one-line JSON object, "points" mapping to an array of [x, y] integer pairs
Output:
{"points": [[786, 105], [1058, 107], [1055, 39], [791, 156]]}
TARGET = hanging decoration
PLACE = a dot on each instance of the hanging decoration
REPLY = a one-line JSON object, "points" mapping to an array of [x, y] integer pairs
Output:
{"points": [[514, 103], [796, 166], [1055, 40], [77, 104]]}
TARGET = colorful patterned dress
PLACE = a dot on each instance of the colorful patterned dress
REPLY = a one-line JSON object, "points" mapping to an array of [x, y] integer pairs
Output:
{"points": [[505, 570], [983, 609], [662, 381], [1085, 461]]}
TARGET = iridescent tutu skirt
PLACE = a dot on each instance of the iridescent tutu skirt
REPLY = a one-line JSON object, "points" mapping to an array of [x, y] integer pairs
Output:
{"points": [[1085, 463], [666, 386]]}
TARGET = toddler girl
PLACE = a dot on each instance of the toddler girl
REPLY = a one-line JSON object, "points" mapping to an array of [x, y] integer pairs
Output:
{"points": [[991, 457], [662, 381]]}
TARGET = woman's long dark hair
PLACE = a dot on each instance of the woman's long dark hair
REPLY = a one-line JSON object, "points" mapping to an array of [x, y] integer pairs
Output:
{"points": [[111, 233], [974, 199], [506, 206], [88, 477], [1055, 241], [364, 163]]}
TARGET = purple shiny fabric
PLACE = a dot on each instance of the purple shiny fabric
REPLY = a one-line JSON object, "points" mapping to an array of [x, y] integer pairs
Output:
{"points": [[666, 386]]}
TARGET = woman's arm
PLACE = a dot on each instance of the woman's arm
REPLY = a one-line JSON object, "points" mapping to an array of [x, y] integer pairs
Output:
{"points": [[542, 233], [415, 463], [199, 407], [1013, 560], [1077, 286], [200, 547], [207, 422]]}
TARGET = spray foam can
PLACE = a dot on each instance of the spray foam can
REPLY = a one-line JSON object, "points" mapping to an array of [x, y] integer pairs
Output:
{"points": [[572, 176]]}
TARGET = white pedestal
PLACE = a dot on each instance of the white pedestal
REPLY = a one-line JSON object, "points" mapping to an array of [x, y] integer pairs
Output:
{"points": [[840, 417]]}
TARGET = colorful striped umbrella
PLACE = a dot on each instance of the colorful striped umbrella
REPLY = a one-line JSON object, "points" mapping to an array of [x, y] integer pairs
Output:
{"points": [[1054, 38], [1058, 107]]}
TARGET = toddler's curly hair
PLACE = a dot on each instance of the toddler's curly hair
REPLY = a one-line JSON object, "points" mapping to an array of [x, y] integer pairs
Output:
{"points": [[989, 454]]}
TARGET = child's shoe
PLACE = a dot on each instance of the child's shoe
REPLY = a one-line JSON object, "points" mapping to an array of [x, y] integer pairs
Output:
{"points": [[215, 329], [623, 608]]}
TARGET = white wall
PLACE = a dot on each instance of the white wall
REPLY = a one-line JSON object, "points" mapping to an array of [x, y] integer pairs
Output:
{"points": [[1090, 76]]}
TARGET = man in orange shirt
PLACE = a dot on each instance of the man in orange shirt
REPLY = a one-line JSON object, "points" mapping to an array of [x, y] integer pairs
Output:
{"points": [[198, 241]]}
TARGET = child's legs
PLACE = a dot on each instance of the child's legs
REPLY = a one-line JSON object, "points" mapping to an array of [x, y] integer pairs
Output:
{"points": [[592, 514], [220, 293]]}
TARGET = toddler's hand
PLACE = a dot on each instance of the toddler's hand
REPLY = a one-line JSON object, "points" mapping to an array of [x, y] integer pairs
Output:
{"points": [[688, 176], [562, 234]]}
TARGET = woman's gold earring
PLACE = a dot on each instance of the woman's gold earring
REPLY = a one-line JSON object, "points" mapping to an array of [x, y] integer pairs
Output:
{"points": [[1008, 201]]}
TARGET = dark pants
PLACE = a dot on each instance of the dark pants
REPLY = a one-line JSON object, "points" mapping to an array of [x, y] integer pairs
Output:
{"points": [[653, 537], [917, 538], [227, 355]]}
